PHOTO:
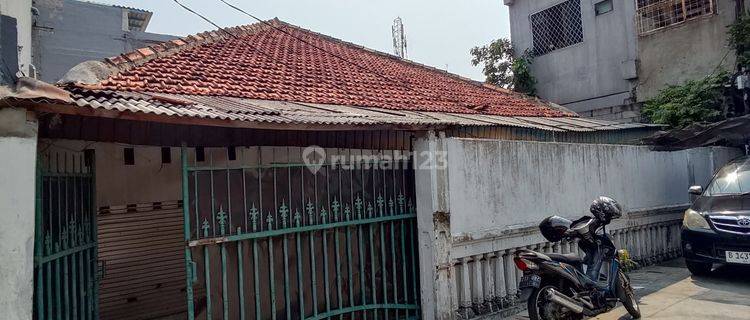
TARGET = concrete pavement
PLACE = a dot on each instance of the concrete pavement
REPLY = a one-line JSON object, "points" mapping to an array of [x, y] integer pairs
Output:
{"points": [[668, 291]]}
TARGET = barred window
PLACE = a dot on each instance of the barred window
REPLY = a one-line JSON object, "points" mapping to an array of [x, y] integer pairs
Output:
{"points": [[557, 27], [657, 14]]}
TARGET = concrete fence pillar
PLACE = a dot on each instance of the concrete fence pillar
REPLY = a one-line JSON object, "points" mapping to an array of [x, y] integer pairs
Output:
{"points": [[510, 273], [489, 277], [478, 292], [465, 283], [500, 290], [437, 274], [18, 140]]}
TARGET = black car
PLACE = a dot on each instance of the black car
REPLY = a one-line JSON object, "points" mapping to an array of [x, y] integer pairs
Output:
{"points": [[716, 228]]}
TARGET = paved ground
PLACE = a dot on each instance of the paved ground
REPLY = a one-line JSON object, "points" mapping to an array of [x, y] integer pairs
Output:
{"points": [[668, 291]]}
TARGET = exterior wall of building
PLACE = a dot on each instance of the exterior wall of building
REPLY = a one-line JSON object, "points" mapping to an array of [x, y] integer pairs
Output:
{"points": [[474, 212], [589, 75], [21, 11], [634, 175], [18, 138], [68, 32], [622, 113], [688, 51], [18, 134]]}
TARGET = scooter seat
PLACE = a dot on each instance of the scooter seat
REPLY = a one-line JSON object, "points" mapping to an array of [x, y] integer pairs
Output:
{"points": [[569, 258]]}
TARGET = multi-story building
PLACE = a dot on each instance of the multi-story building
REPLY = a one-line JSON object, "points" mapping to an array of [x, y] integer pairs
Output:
{"points": [[603, 58], [68, 32]]}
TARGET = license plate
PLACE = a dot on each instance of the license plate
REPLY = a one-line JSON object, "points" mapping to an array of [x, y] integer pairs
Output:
{"points": [[530, 281], [738, 257]]}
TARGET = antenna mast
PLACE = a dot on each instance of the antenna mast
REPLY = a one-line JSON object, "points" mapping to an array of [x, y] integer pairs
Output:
{"points": [[399, 38]]}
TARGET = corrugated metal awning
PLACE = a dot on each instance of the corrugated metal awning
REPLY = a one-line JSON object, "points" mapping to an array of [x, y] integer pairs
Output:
{"points": [[269, 113]]}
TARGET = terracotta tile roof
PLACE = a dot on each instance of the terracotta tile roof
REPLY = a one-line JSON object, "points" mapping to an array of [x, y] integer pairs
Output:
{"points": [[260, 62]]}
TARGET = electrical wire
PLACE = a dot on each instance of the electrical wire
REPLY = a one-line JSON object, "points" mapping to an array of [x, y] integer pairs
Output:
{"points": [[342, 85], [204, 18], [405, 83]]}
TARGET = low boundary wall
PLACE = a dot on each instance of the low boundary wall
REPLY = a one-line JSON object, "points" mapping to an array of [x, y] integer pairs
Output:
{"points": [[478, 201]]}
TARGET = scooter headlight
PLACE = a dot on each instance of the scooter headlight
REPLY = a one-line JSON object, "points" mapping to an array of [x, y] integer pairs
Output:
{"points": [[694, 220]]}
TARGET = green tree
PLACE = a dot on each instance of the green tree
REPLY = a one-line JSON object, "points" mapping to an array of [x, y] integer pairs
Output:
{"points": [[700, 100], [739, 39], [503, 67], [694, 101]]}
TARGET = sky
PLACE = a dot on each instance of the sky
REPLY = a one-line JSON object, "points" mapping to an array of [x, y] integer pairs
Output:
{"points": [[439, 33]]}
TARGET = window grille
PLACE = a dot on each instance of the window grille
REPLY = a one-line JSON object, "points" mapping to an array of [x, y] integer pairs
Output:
{"points": [[657, 14], [557, 27]]}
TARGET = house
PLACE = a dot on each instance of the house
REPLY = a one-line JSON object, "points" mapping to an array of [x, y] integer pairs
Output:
{"points": [[69, 32], [604, 58], [269, 171], [194, 150]]}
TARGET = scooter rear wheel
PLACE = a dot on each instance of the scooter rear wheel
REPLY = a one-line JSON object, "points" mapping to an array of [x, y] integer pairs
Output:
{"points": [[542, 309]]}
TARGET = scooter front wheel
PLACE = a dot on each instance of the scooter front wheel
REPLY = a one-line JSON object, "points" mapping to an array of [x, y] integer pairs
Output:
{"points": [[542, 309]]}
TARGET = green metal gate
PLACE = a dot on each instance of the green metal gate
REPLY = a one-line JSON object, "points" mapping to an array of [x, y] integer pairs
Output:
{"points": [[284, 242], [65, 251]]}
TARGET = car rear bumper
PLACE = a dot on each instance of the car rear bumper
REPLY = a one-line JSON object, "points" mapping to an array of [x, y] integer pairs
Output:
{"points": [[711, 246]]}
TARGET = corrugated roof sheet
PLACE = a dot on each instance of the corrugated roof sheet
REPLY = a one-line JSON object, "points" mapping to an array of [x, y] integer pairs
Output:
{"points": [[298, 113]]}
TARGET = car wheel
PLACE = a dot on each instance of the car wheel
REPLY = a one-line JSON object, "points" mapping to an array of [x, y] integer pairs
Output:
{"points": [[699, 268]]}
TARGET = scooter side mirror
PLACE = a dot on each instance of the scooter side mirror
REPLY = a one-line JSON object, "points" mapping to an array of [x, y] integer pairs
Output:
{"points": [[695, 190]]}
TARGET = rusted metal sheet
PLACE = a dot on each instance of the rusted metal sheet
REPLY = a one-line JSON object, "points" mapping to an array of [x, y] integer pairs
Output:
{"points": [[141, 248], [288, 114]]}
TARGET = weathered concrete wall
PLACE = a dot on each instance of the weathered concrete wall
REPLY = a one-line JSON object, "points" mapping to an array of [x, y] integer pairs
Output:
{"points": [[622, 113], [500, 185], [691, 50], [69, 32], [18, 132], [589, 75], [21, 11], [486, 202]]}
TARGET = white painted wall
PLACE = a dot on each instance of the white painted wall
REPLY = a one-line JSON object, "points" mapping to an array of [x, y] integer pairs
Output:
{"points": [[486, 203], [497, 186], [18, 133], [21, 10]]}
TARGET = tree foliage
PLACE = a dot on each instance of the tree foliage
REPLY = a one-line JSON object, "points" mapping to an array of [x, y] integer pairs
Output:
{"points": [[739, 39], [503, 67], [694, 101], [701, 100], [523, 80]]}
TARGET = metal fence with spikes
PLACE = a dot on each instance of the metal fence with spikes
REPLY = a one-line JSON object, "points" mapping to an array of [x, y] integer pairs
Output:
{"points": [[299, 242], [65, 244]]}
